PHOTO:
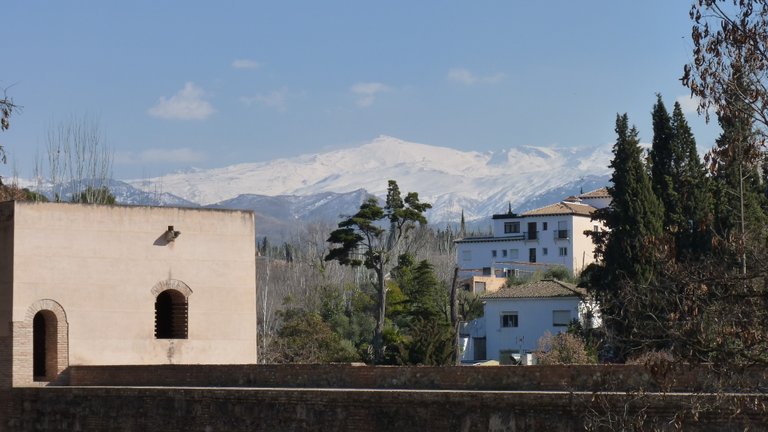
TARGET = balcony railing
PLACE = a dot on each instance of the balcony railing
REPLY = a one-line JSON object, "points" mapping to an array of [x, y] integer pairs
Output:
{"points": [[561, 234], [531, 235]]}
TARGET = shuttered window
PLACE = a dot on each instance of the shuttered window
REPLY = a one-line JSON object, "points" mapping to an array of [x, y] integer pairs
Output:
{"points": [[170, 315]]}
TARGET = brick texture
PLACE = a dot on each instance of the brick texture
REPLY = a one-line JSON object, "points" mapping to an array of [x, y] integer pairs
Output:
{"points": [[196, 409], [524, 378]]}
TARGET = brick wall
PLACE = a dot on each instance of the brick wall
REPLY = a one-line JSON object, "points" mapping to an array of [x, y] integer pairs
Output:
{"points": [[533, 378], [237, 409], [57, 343]]}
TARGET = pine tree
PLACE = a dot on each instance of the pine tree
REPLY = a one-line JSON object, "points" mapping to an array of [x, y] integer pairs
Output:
{"points": [[361, 240]]}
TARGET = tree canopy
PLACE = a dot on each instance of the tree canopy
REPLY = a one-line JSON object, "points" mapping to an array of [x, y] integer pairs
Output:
{"points": [[373, 236]]}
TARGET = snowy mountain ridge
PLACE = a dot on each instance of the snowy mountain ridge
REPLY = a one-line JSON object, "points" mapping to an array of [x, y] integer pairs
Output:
{"points": [[478, 183]]}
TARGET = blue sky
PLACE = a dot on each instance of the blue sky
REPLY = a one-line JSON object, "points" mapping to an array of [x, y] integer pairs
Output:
{"points": [[180, 84]]}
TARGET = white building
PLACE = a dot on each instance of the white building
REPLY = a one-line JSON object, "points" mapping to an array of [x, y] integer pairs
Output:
{"points": [[539, 239], [515, 318]]}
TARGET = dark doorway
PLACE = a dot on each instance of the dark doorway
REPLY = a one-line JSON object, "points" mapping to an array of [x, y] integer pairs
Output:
{"points": [[44, 346], [532, 231], [38, 346], [479, 351]]}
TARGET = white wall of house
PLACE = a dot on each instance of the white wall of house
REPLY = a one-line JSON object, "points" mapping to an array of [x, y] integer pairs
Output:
{"points": [[535, 316], [560, 241]]}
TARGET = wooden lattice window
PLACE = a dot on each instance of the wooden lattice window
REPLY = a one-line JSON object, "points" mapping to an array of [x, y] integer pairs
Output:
{"points": [[170, 315]]}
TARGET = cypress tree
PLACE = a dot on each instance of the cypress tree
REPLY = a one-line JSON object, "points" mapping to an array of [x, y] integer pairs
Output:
{"points": [[693, 234], [635, 215], [739, 201], [664, 158], [635, 223]]}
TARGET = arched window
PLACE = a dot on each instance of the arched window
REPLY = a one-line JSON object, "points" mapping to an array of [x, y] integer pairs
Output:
{"points": [[170, 315]]}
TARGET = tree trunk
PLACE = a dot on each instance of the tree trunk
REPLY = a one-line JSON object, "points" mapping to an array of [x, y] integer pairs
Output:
{"points": [[378, 337], [455, 318]]}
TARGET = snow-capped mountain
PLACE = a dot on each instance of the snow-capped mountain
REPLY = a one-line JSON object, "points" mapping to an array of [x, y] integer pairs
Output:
{"points": [[478, 183]]}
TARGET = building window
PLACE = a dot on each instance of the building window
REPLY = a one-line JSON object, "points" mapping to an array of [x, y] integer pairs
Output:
{"points": [[596, 228], [532, 233], [466, 255], [562, 230], [493, 253], [479, 287], [170, 315], [511, 227], [532, 255], [509, 319], [543, 226], [563, 251], [514, 253], [561, 318], [544, 251], [504, 253]]}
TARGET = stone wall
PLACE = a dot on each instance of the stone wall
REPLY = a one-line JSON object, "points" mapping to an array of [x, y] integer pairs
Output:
{"points": [[524, 378], [365, 398], [238, 409]]}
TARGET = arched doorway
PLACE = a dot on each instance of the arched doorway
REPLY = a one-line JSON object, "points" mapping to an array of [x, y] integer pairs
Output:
{"points": [[45, 337]]}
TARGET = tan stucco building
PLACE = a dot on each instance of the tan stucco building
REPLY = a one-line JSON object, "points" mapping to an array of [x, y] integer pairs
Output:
{"points": [[105, 285]]}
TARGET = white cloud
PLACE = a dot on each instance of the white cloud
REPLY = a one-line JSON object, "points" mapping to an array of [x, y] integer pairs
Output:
{"points": [[277, 99], [689, 104], [160, 155], [188, 104], [245, 64], [464, 76], [367, 92]]}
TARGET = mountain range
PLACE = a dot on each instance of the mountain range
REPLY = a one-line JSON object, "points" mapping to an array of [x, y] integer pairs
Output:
{"points": [[325, 186], [477, 183]]}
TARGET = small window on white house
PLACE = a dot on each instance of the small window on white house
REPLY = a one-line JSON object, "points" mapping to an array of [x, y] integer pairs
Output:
{"points": [[543, 226], [508, 319], [544, 251], [561, 318], [596, 228], [514, 253], [511, 227], [493, 253], [479, 287], [466, 255], [504, 253], [563, 251]]}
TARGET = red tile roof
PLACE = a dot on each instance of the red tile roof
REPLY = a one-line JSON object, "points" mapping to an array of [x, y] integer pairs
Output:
{"points": [[597, 193], [562, 208], [539, 289]]}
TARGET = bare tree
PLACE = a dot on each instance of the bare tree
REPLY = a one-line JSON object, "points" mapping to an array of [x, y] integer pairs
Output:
{"points": [[78, 163], [730, 40], [7, 107]]}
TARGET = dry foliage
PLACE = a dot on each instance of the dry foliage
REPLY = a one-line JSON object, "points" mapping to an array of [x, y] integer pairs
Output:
{"points": [[562, 349]]}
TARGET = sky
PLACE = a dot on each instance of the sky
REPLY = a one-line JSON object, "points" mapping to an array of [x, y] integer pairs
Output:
{"points": [[179, 84]]}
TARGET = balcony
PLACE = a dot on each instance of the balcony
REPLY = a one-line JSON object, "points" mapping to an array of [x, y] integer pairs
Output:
{"points": [[561, 234], [531, 235]]}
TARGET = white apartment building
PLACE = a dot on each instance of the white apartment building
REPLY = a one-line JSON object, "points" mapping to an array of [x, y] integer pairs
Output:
{"points": [[538, 239]]}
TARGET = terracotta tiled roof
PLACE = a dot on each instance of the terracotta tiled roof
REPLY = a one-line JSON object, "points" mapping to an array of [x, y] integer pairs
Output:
{"points": [[562, 208], [597, 193], [539, 289]]}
